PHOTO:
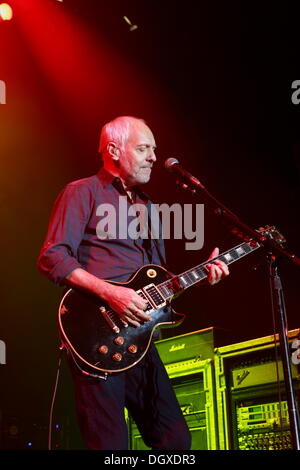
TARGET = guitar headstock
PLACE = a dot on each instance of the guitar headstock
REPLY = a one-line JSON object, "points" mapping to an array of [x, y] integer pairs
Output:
{"points": [[271, 232]]}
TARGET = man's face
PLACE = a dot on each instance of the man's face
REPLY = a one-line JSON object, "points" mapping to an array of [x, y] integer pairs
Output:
{"points": [[138, 157]]}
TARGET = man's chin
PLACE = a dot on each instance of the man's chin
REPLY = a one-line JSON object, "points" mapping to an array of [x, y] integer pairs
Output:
{"points": [[143, 179]]}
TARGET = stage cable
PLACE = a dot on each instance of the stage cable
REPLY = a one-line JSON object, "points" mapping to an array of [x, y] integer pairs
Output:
{"points": [[61, 350]]}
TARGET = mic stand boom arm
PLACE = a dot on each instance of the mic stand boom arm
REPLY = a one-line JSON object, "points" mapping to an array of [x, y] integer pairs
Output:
{"points": [[274, 251], [238, 227]]}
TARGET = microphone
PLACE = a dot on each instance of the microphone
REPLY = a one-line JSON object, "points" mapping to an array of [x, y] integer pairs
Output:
{"points": [[173, 165]]}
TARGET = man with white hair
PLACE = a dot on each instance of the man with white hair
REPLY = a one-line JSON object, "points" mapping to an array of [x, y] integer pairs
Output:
{"points": [[73, 255]]}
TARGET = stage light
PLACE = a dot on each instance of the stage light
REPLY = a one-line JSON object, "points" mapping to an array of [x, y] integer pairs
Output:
{"points": [[6, 12], [133, 27]]}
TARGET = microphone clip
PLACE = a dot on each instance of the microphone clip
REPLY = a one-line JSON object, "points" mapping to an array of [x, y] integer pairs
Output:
{"points": [[185, 186]]}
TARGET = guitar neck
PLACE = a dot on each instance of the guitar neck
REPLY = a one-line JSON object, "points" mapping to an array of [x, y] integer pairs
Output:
{"points": [[180, 282]]}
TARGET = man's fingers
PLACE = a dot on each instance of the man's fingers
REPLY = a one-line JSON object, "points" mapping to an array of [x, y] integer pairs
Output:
{"points": [[139, 302], [217, 271], [212, 276], [214, 253], [223, 266], [140, 314], [128, 319], [135, 316]]}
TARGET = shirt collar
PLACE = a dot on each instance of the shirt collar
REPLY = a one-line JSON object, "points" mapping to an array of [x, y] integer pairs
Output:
{"points": [[108, 179], [105, 177]]}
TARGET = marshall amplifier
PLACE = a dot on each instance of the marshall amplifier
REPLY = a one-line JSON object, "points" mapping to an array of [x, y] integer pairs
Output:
{"points": [[197, 346]]}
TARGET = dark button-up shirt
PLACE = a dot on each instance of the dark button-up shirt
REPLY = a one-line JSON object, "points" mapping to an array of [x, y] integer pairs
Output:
{"points": [[81, 235]]}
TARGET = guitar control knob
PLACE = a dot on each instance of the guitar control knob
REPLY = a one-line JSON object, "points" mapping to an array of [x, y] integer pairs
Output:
{"points": [[119, 340], [117, 357], [103, 349], [132, 348]]}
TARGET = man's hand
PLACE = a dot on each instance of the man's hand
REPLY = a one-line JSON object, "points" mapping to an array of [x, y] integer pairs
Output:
{"points": [[124, 301], [217, 270], [127, 304]]}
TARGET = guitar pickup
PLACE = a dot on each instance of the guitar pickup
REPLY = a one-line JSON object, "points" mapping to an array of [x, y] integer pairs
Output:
{"points": [[149, 308], [154, 296]]}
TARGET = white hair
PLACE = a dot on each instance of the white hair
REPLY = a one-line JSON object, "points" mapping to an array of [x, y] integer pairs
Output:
{"points": [[117, 131]]}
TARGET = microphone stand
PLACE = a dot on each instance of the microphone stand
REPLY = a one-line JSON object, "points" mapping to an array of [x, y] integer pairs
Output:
{"points": [[275, 252]]}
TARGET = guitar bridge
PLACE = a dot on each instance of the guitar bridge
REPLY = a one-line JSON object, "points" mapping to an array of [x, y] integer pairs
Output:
{"points": [[108, 320]]}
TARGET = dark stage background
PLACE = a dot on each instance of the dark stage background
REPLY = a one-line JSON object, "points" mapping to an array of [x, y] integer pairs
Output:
{"points": [[213, 80]]}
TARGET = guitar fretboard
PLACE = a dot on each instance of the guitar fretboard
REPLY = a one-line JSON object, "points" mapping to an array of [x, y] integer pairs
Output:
{"points": [[187, 279]]}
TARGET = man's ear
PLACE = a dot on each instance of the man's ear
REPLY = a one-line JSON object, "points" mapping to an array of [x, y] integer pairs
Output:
{"points": [[114, 151]]}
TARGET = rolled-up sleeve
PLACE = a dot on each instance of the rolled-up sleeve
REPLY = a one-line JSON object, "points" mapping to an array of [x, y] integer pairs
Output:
{"points": [[70, 214]]}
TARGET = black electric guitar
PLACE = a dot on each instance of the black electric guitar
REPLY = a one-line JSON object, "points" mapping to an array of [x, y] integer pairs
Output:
{"points": [[100, 343]]}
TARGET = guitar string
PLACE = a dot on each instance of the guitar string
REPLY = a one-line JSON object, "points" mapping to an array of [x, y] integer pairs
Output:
{"points": [[199, 269]]}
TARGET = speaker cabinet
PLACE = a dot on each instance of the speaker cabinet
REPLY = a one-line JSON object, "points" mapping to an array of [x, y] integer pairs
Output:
{"points": [[193, 383], [250, 390]]}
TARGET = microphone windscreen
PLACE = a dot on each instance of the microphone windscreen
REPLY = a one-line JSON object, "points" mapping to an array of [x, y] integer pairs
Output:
{"points": [[170, 162]]}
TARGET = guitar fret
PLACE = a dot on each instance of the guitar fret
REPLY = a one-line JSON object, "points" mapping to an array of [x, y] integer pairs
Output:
{"points": [[190, 278], [164, 291], [189, 281], [238, 252], [168, 289], [202, 273], [198, 273], [226, 258], [234, 254], [247, 248]]}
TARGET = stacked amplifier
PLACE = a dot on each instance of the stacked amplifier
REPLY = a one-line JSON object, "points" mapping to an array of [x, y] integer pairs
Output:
{"points": [[189, 362], [232, 397], [251, 398]]}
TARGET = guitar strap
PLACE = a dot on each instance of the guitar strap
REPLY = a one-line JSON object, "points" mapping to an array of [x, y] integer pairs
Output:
{"points": [[154, 242]]}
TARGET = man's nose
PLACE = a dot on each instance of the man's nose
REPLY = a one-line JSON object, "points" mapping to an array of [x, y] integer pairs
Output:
{"points": [[151, 156]]}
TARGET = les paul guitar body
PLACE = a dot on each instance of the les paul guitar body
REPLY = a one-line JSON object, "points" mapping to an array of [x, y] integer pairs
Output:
{"points": [[95, 336], [101, 344]]}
